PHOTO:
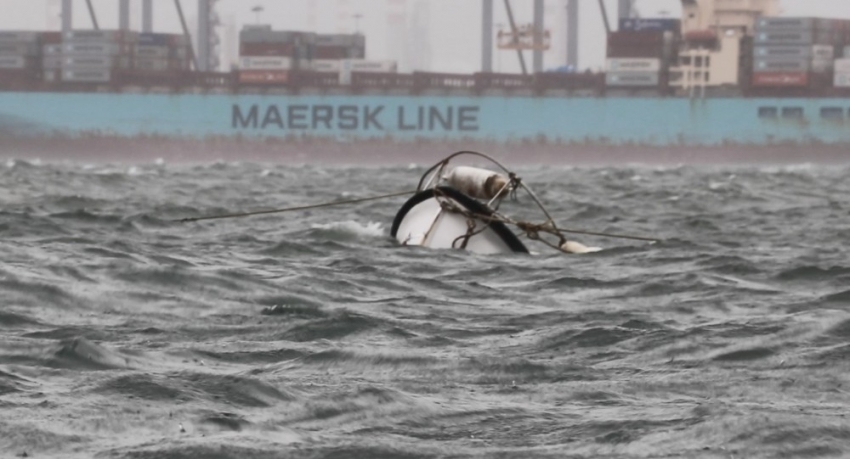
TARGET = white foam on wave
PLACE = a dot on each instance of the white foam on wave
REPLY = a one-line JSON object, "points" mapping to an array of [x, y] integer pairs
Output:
{"points": [[357, 229]]}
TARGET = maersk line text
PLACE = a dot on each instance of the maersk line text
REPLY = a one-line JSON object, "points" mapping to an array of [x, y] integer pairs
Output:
{"points": [[357, 117]]}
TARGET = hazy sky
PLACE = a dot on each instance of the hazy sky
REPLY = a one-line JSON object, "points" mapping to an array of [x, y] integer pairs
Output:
{"points": [[455, 25]]}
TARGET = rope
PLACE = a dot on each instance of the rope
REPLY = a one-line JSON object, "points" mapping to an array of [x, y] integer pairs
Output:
{"points": [[294, 209], [532, 230]]}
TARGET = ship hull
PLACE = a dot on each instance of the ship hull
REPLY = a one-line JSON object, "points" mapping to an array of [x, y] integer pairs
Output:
{"points": [[577, 124]]}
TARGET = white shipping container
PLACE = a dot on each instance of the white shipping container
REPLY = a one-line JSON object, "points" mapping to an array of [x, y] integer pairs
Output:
{"points": [[359, 65], [265, 63], [87, 61], [633, 65], [12, 62], [632, 79], [842, 65], [842, 80], [326, 65], [87, 76], [782, 65], [92, 48]]}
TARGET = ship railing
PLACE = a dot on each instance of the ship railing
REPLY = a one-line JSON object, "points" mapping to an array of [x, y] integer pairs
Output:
{"points": [[503, 81], [426, 80]]}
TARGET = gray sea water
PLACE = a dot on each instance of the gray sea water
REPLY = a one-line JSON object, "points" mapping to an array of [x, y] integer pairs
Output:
{"points": [[124, 334]]}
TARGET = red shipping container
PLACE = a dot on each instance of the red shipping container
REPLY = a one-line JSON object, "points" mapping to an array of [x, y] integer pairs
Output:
{"points": [[51, 38], [781, 79], [267, 49], [264, 76], [330, 52]]}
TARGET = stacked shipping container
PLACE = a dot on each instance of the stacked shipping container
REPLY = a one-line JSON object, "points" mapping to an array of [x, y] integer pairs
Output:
{"points": [[157, 52], [796, 52], [269, 57], [639, 53], [94, 56], [19, 53]]}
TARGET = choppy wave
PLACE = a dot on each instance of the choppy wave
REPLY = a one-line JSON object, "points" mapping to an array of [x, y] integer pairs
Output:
{"points": [[125, 333]]}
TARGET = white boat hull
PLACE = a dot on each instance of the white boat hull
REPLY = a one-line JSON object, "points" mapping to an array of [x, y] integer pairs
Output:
{"points": [[423, 221]]}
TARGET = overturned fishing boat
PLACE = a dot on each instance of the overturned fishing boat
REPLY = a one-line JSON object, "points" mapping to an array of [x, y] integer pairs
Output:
{"points": [[457, 207]]}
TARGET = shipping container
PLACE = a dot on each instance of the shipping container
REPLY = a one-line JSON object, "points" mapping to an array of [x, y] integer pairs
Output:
{"points": [[632, 79], [100, 36], [159, 64], [823, 51], [782, 65], [152, 51], [51, 50], [822, 65], [632, 39], [804, 51], [842, 66], [264, 76], [798, 38], [155, 39], [266, 49], [51, 62], [342, 41], [265, 63], [644, 24], [13, 62], [162, 39], [625, 52], [356, 65], [87, 76], [633, 65], [326, 65], [842, 80], [331, 52], [778, 24], [50, 38], [274, 36], [781, 79], [99, 62], [787, 38], [18, 49], [19, 37], [94, 48]]}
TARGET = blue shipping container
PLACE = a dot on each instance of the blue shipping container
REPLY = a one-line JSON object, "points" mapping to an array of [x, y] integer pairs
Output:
{"points": [[155, 39], [643, 24]]}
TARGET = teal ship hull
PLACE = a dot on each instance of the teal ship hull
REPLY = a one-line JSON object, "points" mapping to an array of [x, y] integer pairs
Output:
{"points": [[590, 122]]}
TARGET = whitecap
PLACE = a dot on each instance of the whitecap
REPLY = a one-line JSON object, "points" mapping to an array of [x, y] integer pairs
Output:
{"points": [[371, 229]]}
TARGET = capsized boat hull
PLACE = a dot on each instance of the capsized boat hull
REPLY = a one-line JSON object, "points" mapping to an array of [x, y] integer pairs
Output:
{"points": [[422, 221]]}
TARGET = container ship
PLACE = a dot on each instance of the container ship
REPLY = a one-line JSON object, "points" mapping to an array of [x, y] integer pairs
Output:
{"points": [[720, 79]]}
